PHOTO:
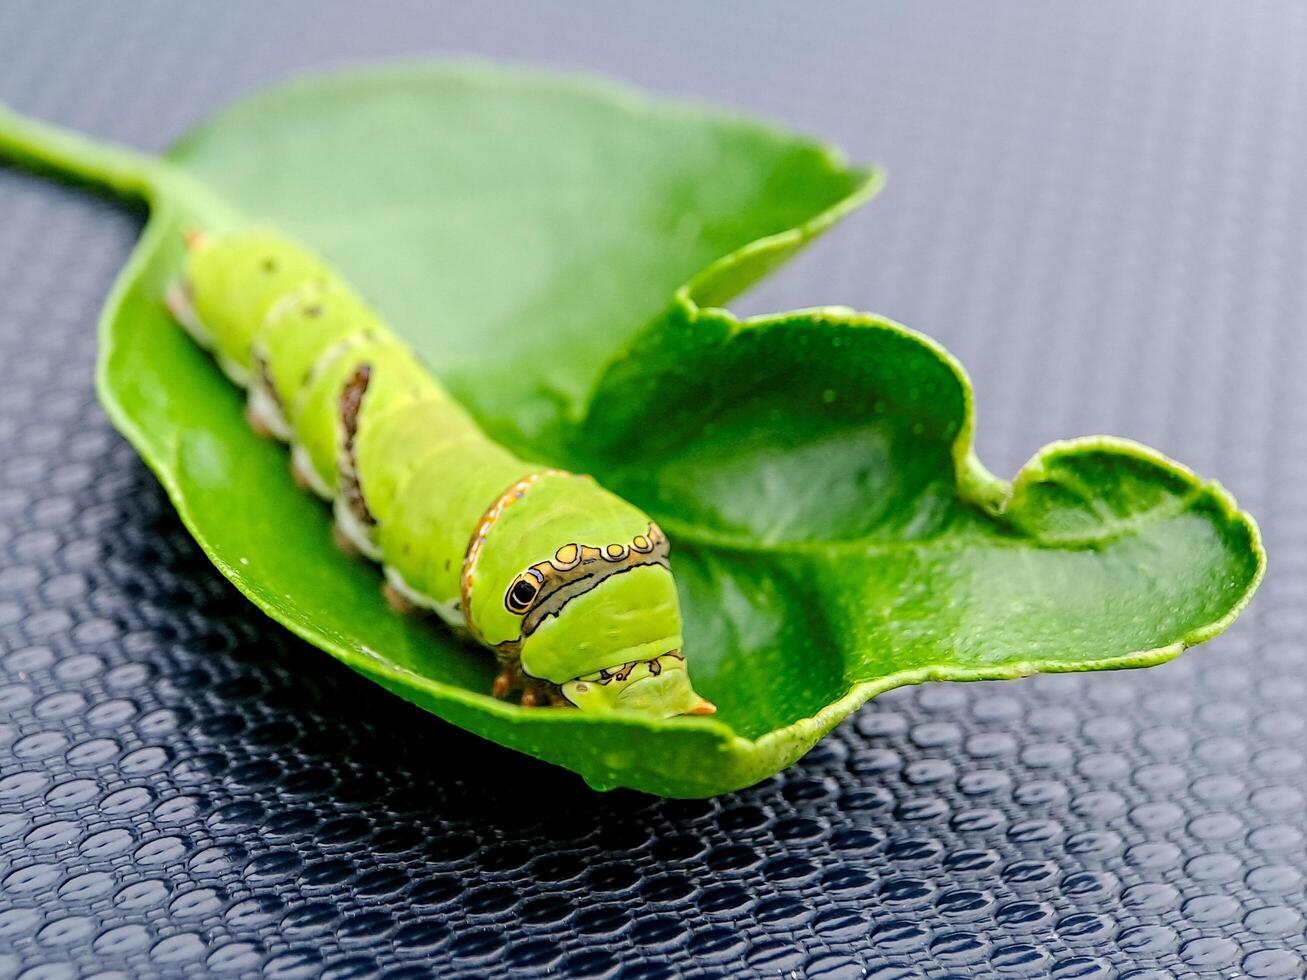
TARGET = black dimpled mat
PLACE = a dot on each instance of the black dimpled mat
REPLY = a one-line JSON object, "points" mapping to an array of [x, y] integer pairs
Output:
{"points": [[1098, 207]]}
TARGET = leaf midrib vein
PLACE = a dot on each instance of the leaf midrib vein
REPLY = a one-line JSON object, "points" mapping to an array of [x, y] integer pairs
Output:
{"points": [[723, 541]]}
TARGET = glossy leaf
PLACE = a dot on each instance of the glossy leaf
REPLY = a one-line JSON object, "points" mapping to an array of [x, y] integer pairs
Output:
{"points": [[533, 237]]}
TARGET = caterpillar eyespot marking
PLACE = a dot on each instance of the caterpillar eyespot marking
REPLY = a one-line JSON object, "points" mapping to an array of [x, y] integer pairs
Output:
{"points": [[570, 586]]}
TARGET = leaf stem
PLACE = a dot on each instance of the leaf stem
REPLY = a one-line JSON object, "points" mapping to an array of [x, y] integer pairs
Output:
{"points": [[43, 148]]}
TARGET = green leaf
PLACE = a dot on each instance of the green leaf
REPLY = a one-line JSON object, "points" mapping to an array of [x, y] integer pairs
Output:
{"points": [[555, 248]]}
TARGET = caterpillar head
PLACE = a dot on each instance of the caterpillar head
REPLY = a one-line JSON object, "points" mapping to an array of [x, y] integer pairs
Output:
{"points": [[604, 624], [600, 621]]}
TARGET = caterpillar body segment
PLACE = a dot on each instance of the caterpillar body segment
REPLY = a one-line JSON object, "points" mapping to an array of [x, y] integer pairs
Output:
{"points": [[569, 585]]}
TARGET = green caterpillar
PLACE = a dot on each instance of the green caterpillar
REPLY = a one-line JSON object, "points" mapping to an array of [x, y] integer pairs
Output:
{"points": [[567, 584]]}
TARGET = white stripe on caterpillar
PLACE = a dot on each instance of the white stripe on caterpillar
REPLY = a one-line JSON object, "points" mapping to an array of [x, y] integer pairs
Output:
{"points": [[183, 311], [356, 532], [450, 611], [263, 404], [306, 471]]}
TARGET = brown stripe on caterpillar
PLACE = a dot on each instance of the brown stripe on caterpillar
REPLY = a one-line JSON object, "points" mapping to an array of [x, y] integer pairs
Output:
{"points": [[264, 410], [264, 371], [351, 401], [327, 358], [467, 576]]}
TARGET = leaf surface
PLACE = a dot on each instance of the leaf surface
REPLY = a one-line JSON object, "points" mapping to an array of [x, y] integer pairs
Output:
{"points": [[556, 249]]}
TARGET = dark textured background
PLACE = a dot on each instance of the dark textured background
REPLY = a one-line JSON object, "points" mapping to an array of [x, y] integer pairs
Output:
{"points": [[1099, 207]]}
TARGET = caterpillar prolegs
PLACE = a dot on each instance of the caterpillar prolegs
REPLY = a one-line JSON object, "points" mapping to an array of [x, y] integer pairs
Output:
{"points": [[568, 584]]}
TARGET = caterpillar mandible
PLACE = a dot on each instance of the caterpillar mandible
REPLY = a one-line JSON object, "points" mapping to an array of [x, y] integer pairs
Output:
{"points": [[569, 585]]}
